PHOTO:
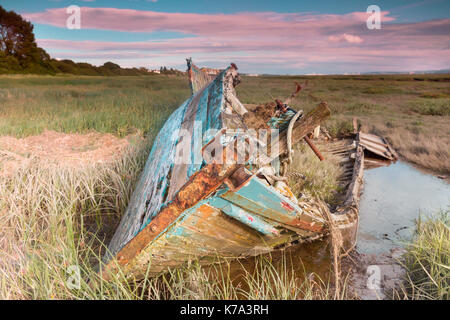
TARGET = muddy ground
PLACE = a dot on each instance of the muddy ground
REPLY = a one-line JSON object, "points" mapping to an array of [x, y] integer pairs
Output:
{"points": [[64, 149]]}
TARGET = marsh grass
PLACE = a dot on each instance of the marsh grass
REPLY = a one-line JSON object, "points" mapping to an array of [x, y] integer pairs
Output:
{"points": [[54, 218], [69, 104], [339, 128], [321, 177], [427, 260], [383, 104], [122, 105], [435, 107]]}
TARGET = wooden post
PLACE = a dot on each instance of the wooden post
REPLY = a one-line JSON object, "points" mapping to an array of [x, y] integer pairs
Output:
{"points": [[355, 125], [316, 132]]}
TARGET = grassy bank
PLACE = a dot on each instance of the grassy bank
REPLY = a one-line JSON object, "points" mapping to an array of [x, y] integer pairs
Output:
{"points": [[427, 261]]}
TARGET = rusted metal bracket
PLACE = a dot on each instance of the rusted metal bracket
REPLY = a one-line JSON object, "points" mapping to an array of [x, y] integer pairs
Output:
{"points": [[314, 148]]}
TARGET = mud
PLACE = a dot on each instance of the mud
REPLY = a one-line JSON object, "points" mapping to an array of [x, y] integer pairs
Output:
{"points": [[377, 276], [69, 149]]}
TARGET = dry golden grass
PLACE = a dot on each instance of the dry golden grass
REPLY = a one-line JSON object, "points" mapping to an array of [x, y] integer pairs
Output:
{"points": [[52, 217], [423, 142], [321, 177], [412, 111]]}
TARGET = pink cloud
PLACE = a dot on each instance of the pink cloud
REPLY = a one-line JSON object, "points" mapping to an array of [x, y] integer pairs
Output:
{"points": [[346, 37], [264, 38], [250, 24]]}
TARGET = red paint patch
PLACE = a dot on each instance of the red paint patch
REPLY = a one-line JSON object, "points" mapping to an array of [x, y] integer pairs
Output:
{"points": [[250, 218], [287, 206]]}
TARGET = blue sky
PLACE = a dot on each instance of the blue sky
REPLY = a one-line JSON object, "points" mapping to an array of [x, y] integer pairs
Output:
{"points": [[309, 36], [409, 10]]}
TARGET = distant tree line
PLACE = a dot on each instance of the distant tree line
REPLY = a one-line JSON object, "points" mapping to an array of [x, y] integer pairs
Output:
{"points": [[19, 53], [165, 70]]}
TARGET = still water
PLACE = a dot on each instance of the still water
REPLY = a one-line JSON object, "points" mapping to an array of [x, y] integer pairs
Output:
{"points": [[393, 197]]}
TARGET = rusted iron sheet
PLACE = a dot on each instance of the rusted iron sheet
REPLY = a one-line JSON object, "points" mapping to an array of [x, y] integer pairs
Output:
{"points": [[377, 145]]}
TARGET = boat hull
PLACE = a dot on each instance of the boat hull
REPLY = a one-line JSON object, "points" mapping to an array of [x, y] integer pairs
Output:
{"points": [[207, 210]]}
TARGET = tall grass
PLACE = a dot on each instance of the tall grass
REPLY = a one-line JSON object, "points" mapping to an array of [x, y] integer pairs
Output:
{"points": [[55, 220], [321, 177], [427, 260], [120, 105], [53, 217], [385, 104], [117, 105]]}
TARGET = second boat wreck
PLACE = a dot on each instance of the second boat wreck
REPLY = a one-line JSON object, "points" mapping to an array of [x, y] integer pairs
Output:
{"points": [[206, 193]]}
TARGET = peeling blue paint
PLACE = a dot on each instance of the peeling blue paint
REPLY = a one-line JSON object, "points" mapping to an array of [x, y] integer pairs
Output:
{"points": [[247, 218]]}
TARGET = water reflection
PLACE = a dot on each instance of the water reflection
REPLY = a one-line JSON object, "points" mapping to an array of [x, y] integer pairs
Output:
{"points": [[392, 198]]}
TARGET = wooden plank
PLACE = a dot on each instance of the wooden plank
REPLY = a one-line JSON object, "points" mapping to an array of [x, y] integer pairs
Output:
{"points": [[377, 145], [179, 175]]}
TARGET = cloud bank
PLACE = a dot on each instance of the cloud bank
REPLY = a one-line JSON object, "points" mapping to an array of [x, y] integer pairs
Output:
{"points": [[260, 42]]}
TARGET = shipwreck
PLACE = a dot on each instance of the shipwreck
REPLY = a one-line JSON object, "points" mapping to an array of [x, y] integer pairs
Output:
{"points": [[234, 202]]}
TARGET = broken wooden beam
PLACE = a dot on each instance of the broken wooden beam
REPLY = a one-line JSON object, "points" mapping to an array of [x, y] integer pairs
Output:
{"points": [[302, 127]]}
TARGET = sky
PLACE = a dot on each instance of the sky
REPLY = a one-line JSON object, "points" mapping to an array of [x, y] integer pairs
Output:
{"points": [[277, 37]]}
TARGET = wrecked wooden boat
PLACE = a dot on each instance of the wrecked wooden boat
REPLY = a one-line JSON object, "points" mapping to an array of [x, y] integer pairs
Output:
{"points": [[206, 194]]}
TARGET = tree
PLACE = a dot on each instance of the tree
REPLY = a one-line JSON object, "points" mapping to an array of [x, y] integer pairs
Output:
{"points": [[19, 53], [17, 39]]}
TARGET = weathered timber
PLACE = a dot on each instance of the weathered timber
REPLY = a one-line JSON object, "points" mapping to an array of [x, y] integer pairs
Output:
{"points": [[377, 145], [220, 206], [302, 127], [203, 183], [197, 188]]}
